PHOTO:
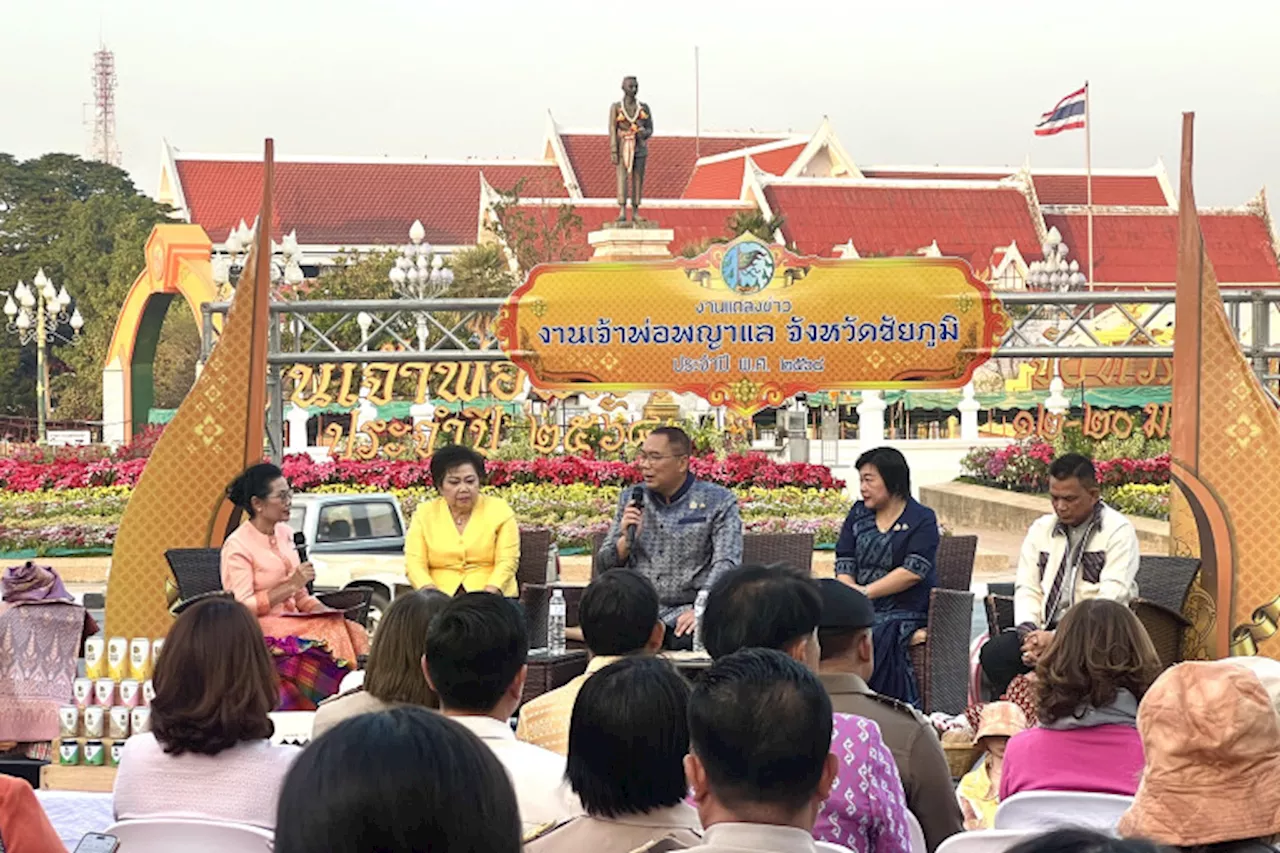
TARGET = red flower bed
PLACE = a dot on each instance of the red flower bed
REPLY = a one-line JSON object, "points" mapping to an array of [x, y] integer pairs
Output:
{"points": [[1025, 466], [752, 469]]}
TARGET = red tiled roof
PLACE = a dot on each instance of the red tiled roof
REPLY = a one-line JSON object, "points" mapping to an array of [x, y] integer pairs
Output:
{"points": [[692, 225], [671, 161], [900, 220], [723, 178], [1135, 190], [352, 204], [1143, 248]]}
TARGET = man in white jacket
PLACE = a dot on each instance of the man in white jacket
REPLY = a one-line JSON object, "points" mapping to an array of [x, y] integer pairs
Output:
{"points": [[1083, 549]]}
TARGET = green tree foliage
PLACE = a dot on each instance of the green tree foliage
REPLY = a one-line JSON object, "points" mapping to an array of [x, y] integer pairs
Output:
{"points": [[743, 222], [481, 272], [85, 224], [353, 276], [537, 234]]}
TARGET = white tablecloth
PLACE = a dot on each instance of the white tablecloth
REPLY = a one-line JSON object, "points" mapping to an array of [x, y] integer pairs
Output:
{"points": [[75, 813]]}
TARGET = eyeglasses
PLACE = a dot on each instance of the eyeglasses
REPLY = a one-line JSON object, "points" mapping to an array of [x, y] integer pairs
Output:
{"points": [[645, 456], [285, 496]]}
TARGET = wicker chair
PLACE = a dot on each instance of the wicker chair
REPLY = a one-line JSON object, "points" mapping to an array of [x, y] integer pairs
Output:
{"points": [[999, 613], [1163, 586], [794, 550], [197, 570], [535, 546], [940, 653], [955, 561], [597, 542]]}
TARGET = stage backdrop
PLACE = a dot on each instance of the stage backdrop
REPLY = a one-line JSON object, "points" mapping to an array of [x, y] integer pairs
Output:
{"points": [[1225, 455], [180, 500]]}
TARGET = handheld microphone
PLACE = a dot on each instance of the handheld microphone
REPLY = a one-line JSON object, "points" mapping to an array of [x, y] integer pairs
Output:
{"points": [[637, 500], [300, 543]]}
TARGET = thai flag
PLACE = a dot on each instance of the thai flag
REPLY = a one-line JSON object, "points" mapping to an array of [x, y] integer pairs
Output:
{"points": [[1067, 115]]}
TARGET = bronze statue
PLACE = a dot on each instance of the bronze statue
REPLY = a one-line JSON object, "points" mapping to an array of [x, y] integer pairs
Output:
{"points": [[630, 126]]}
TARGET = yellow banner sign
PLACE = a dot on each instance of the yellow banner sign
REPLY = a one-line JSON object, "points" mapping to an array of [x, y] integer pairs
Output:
{"points": [[747, 325]]}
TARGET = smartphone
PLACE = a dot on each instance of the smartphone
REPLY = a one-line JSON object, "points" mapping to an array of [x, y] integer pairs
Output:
{"points": [[96, 842]]}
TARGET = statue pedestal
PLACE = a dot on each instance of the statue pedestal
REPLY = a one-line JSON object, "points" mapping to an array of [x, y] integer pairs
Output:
{"points": [[621, 244]]}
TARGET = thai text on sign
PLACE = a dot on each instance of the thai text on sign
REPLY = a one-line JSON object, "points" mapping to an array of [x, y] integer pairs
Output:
{"points": [[747, 325]]}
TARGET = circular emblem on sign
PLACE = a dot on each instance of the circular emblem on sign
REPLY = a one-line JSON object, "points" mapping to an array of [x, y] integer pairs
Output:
{"points": [[747, 267]]}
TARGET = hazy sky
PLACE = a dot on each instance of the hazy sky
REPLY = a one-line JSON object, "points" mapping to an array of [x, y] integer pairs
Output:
{"points": [[957, 83]]}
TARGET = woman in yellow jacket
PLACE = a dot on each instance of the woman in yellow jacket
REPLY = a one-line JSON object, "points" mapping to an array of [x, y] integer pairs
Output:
{"points": [[462, 540]]}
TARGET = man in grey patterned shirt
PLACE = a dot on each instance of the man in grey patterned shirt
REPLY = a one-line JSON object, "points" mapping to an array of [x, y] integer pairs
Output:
{"points": [[688, 533]]}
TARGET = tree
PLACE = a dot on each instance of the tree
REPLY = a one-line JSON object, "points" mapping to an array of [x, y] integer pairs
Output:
{"points": [[752, 222], [536, 234], [481, 272], [353, 276], [85, 224]]}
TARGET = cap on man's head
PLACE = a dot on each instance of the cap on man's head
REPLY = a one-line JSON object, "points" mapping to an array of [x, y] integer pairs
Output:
{"points": [[843, 608]]}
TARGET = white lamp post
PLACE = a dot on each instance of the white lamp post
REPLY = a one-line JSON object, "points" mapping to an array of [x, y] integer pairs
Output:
{"points": [[419, 273], [35, 315]]}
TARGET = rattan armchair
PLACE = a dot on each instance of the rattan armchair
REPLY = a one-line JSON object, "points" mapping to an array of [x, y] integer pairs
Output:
{"points": [[940, 653]]}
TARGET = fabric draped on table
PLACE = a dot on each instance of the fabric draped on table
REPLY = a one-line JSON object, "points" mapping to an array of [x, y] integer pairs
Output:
{"points": [[38, 650], [308, 672]]}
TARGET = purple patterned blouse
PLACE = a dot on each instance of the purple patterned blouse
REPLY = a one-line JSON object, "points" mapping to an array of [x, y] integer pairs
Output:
{"points": [[867, 810]]}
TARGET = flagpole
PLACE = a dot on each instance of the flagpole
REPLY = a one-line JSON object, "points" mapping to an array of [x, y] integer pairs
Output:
{"points": [[1088, 172]]}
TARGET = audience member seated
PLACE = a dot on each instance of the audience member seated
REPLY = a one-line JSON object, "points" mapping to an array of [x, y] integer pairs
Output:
{"points": [[979, 790], [476, 652], [393, 675], [619, 617], [1083, 549], [1088, 686], [403, 781], [887, 549], [848, 659], [760, 763], [24, 827], [312, 645], [1082, 841], [627, 743], [1212, 778], [463, 541], [776, 608], [208, 754]]}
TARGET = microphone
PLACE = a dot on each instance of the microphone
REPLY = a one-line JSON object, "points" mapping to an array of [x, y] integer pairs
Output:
{"points": [[637, 500], [300, 543]]}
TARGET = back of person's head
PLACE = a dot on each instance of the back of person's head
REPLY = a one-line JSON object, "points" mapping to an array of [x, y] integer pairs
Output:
{"points": [[768, 607], [401, 781], [394, 673], [254, 482], [476, 647], [619, 613], [1211, 742], [215, 683], [1082, 841], [628, 738], [760, 730], [1099, 648]]}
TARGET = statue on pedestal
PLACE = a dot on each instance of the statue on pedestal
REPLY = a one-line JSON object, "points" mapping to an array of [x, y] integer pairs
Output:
{"points": [[630, 126]]}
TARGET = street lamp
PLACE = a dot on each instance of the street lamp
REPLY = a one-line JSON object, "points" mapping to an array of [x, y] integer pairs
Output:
{"points": [[419, 273], [1055, 272], [35, 315], [286, 259]]}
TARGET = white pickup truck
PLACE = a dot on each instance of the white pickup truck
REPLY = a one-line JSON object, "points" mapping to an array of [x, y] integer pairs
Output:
{"points": [[354, 540]]}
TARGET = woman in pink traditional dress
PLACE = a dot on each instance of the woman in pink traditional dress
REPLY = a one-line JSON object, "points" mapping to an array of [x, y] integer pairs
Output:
{"points": [[313, 645]]}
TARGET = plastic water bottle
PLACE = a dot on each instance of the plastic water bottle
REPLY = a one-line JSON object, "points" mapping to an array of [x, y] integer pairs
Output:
{"points": [[555, 623], [699, 608]]}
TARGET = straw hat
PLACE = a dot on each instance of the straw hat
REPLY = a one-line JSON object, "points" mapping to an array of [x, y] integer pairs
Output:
{"points": [[1000, 719], [1212, 743]]}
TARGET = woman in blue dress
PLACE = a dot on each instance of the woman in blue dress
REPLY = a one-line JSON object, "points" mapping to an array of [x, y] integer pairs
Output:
{"points": [[887, 550]]}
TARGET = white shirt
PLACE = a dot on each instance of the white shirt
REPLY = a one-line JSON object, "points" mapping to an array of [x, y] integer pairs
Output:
{"points": [[537, 774], [754, 838], [240, 784]]}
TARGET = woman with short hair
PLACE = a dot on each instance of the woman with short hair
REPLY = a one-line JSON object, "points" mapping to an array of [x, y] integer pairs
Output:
{"points": [[464, 540], [628, 738], [393, 676], [1088, 685], [208, 754], [402, 781], [887, 551]]}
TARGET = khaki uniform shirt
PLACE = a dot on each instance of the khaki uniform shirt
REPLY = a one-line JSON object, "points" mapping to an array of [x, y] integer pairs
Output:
{"points": [[622, 834], [926, 778]]}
